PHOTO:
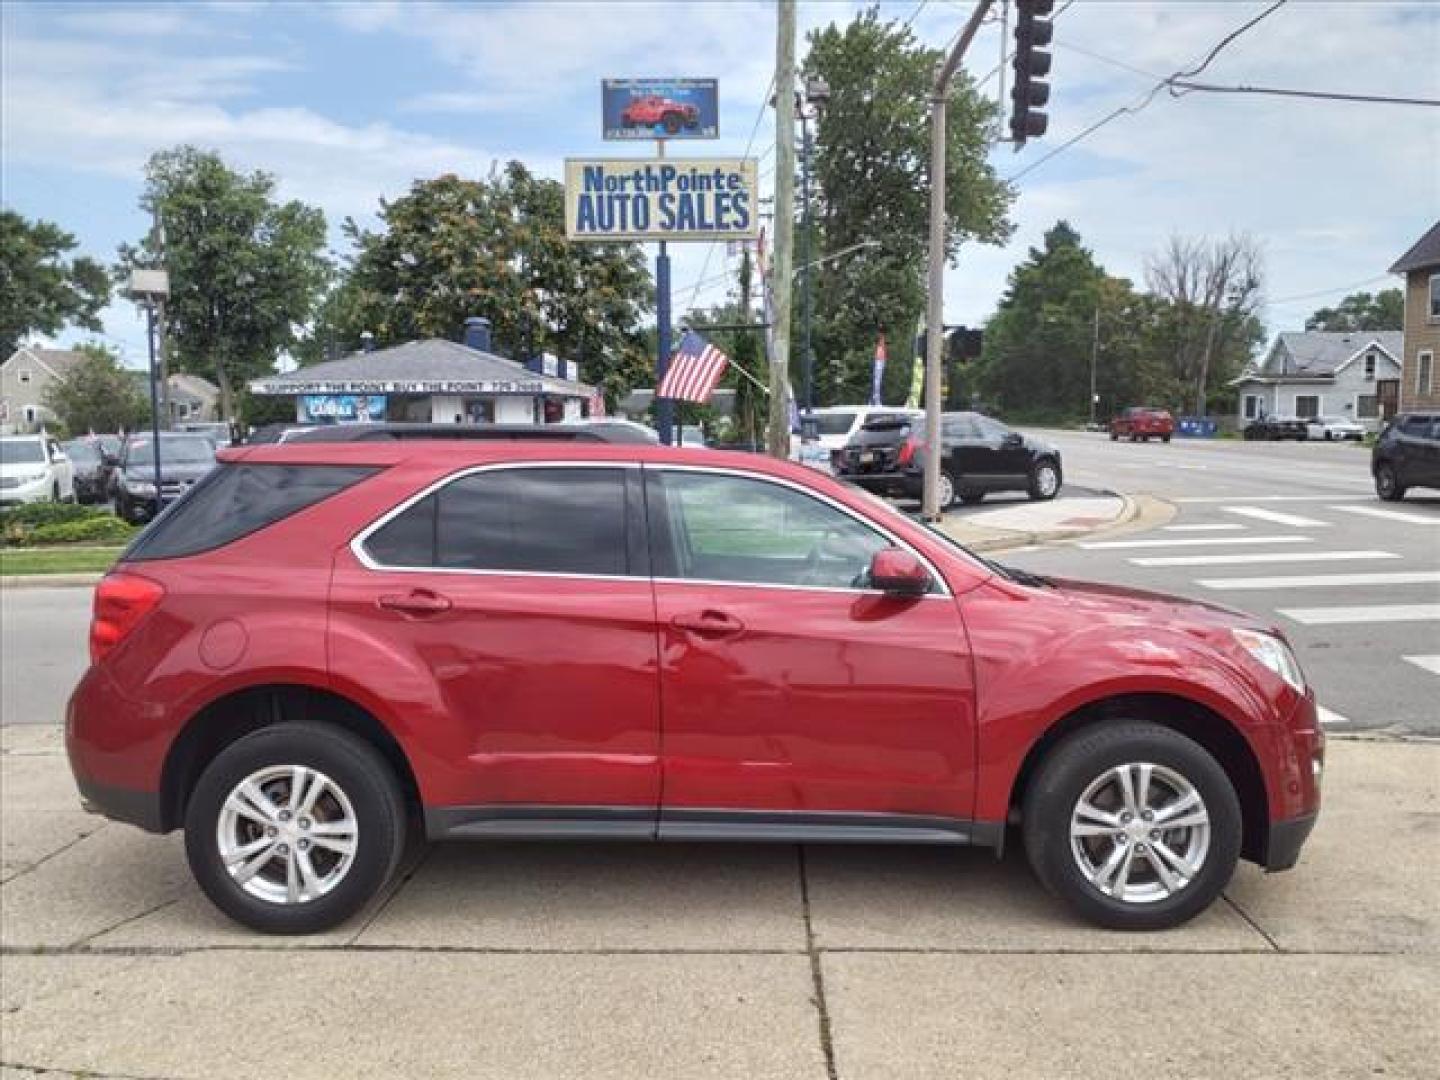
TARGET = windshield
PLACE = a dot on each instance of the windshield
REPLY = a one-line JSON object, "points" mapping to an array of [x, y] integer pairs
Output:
{"points": [[21, 452], [81, 452], [835, 423], [175, 450]]}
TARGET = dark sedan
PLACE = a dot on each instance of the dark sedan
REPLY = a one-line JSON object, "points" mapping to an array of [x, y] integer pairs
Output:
{"points": [[1277, 429], [978, 455]]}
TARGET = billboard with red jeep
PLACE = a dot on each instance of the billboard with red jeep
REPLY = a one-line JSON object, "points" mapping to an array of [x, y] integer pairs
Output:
{"points": [[660, 108]]}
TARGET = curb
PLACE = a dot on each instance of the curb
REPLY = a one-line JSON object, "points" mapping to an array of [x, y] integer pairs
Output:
{"points": [[1145, 510], [48, 581]]}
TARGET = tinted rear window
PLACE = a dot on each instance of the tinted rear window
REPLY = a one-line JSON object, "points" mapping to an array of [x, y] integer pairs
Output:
{"points": [[236, 500], [560, 520]]}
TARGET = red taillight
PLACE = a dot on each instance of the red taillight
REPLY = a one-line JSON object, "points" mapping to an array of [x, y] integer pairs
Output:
{"points": [[121, 601], [908, 449]]}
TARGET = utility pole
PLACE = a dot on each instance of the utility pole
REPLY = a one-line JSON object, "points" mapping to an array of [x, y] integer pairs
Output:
{"points": [[935, 306], [162, 365], [778, 436], [1094, 360]]}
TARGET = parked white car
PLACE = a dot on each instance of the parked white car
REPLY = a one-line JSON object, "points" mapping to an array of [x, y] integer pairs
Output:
{"points": [[1331, 428], [33, 468]]}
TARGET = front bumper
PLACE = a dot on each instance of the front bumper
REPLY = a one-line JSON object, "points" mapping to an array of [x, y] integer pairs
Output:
{"points": [[38, 491]]}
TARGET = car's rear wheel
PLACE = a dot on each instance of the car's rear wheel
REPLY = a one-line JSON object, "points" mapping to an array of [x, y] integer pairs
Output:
{"points": [[295, 827], [1133, 825], [1387, 483], [946, 490], [1164, 438], [972, 498], [1044, 481], [1114, 436]]}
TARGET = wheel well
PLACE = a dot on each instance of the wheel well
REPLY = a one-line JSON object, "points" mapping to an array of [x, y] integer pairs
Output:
{"points": [[232, 717], [1204, 726]]}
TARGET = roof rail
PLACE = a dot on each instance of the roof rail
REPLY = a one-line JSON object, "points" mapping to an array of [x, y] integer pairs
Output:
{"points": [[602, 431]]}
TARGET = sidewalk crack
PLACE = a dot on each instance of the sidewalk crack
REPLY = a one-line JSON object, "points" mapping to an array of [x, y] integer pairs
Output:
{"points": [[1274, 945], [817, 977]]}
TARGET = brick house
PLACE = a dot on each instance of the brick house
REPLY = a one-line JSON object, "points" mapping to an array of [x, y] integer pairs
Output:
{"points": [[25, 375], [1419, 381]]}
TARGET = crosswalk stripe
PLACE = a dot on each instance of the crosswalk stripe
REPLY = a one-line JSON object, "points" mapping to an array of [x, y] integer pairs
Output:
{"points": [[1322, 581], [1196, 499], [1389, 515], [1261, 557], [1194, 541], [1226, 527], [1429, 663], [1275, 517], [1372, 613]]}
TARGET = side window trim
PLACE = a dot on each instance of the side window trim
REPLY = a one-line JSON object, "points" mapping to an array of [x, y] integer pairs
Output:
{"points": [[369, 562], [658, 511]]}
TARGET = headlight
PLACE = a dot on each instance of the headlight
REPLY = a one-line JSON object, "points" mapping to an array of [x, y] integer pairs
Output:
{"points": [[1274, 654]]}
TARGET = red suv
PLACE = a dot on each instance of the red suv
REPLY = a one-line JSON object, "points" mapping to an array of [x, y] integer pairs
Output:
{"points": [[1140, 424], [653, 109], [322, 643]]}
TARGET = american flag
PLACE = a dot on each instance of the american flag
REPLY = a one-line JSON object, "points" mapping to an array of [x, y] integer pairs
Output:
{"points": [[694, 371]]}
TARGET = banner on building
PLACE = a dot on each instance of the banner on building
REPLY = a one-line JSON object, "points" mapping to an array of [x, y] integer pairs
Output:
{"points": [[342, 408], [660, 108], [661, 199]]}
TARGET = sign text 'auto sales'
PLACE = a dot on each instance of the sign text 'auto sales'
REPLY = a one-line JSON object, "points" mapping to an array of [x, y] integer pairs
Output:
{"points": [[662, 199]]}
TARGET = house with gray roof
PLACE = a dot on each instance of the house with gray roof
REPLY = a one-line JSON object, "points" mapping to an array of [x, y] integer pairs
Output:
{"points": [[1350, 374], [25, 376], [433, 381]]}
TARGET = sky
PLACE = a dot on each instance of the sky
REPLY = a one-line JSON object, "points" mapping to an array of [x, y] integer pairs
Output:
{"points": [[346, 103]]}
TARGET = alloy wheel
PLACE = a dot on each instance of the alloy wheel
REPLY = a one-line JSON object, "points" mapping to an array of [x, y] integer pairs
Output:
{"points": [[1047, 482], [1140, 833], [287, 834]]}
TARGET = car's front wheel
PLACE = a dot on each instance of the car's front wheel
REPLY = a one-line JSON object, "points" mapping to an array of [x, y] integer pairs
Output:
{"points": [[946, 490], [1387, 483], [295, 827], [1044, 480], [1133, 825]]}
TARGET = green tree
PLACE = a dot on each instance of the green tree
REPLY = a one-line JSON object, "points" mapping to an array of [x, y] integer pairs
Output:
{"points": [[42, 291], [1384, 310], [246, 270], [98, 395], [872, 178], [453, 247]]}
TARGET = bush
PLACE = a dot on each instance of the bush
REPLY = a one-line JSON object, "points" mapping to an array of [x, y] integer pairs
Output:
{"points": [[100, 530], [60, 523]]}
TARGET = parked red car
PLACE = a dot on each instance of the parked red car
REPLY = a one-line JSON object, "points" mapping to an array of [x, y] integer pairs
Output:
{"points": [[653, 109], [1141, 423], [323, 642]]}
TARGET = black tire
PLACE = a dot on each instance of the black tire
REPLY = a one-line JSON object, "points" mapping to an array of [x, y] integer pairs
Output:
{"points": [[1164, 438], [1387, 483], [1114, 436], [1041, 488], [1065, 774], [972, 498], [356, 768]]}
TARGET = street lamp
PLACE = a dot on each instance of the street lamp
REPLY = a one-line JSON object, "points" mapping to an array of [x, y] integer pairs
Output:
{"points": [[809, 103], [149, 288]]}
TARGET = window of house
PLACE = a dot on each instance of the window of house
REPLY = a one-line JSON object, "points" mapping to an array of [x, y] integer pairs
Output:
{"points": [[1367, 407], [552, 520], [1424, 372], [1307, 406], [24, 375], [1252, 406], [750, 531], [1370, 365], [1435, 296]]}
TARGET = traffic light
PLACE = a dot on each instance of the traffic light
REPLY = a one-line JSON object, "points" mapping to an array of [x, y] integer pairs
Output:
{"points": [[1033, 31], [962, 344]]}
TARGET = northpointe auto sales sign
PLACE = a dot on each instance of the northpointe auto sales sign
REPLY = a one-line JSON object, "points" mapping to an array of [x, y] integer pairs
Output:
{"points": [[661, 199]]}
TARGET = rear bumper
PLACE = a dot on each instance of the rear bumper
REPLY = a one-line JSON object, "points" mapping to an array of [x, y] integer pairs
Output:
{"points": [[1282, 849], [881, 483], [126, 805]]}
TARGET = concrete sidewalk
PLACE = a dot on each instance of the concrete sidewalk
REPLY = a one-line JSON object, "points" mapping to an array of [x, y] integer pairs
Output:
{"points": [[1021, 524], [722, 961]]}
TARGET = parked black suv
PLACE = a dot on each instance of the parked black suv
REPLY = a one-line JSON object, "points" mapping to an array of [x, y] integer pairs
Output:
{"points": [[184, 459], [1276, 429], [1406, 455], [978, 455]]}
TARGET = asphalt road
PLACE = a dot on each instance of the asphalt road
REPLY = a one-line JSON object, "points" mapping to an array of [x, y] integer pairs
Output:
{"points": [[1354, 582]]}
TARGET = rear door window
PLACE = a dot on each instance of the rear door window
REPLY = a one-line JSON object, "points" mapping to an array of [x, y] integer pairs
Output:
{"points": [[548, 520], [235, 500]]}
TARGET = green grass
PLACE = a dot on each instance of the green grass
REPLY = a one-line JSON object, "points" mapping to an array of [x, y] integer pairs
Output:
{"points": [[56, 560]]}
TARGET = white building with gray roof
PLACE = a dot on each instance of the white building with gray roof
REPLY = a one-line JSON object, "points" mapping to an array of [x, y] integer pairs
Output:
{"points": [[1349, 374]]}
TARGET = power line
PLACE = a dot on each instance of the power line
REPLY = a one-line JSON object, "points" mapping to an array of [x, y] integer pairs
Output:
{"points": [[1180, 89], [1121, 64], [1329, 292], [916, 13], [1145, 99]]}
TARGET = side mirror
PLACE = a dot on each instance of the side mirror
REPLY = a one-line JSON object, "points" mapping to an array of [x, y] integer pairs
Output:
{"points": [[897, 572], [1013, 438]]}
